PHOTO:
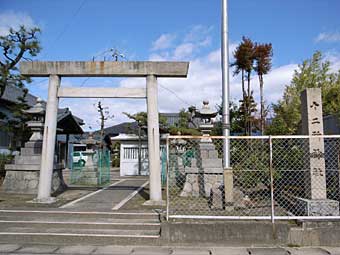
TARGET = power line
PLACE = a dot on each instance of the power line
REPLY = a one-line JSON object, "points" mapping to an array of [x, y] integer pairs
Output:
{"points": [[38, 82], [81, 85], [67, 25], [174, 93]]}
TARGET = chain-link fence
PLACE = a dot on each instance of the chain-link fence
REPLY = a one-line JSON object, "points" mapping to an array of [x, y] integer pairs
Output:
{"points": [[281, 177], [90, 167], [103, 163]]}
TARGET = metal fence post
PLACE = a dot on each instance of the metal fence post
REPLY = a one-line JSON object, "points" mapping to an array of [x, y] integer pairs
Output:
{"points": [[167, 178], [272, 187], [271, 180]]}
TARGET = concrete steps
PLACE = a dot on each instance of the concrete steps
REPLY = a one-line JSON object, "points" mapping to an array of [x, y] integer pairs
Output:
{"points": [[68, 227]]}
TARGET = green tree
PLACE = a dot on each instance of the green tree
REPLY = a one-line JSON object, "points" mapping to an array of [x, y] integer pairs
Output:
{"points": [[244, 60], [15, 46], [236, 120], [263, 54], [15, 123], [183, 127], [312, 73], [142, 121]]}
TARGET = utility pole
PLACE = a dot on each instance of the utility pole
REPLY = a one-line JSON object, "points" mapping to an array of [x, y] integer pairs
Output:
{"points": [[225, 83]]}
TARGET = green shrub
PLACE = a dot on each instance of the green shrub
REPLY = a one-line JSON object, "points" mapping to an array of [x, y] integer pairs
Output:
{"points": [[4, 159]]}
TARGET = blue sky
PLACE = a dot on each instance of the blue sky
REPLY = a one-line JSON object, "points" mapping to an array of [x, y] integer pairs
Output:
{"points": [[175, 30]]}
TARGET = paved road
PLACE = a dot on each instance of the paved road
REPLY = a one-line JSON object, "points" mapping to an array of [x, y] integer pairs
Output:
{"points": [[133, 250], [107, 198]]}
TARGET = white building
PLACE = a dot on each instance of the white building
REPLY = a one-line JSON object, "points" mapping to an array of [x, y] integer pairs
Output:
{"points": [[129, 154]]}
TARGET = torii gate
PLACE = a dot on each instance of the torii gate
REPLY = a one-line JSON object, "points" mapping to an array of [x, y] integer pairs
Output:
{"points": [[57, 69]]}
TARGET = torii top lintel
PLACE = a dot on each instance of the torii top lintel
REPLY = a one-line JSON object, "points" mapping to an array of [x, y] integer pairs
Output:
{"points": [[104, 68]]}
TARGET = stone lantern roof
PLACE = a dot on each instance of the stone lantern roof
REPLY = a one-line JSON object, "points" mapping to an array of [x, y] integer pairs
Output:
{"points": [[37, 109], [206, 112]]}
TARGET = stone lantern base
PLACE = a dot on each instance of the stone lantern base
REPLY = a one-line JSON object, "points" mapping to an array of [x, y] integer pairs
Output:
{"points": [[22, 177]]}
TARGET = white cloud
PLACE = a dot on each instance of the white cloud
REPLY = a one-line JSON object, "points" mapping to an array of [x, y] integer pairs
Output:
{"points": [[328, 37], [203, 83], [87, 110], [198, 33], [334, 58], [11, 19], [215, 56], [165, 41], [274, 82], [184, 51], [163, 56]]}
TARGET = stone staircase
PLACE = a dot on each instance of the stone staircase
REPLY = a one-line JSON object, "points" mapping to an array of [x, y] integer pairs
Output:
{"points": [[69, 227]]}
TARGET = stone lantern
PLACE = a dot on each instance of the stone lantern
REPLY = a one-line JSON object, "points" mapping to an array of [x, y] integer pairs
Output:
{"points": [[206, 114], [22, 177], [37, 123]]}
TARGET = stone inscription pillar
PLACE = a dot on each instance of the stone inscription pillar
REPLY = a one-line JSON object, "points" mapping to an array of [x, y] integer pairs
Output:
{"points": [[50, 130], [153, 140], [312, 124]]}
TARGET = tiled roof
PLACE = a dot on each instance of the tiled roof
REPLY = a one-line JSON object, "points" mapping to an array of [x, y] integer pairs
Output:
{"points": [[12, 93]]}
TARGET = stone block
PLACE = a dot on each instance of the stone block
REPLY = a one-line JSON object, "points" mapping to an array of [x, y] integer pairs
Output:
{"points": [[239, 199], [211, 180], [186, 190], [27, 182], [190, 170], [180, 161], [206, 146], [207, 189], [216, 196], [192, 178], [22, 167], [228, 185], [28, 160], [195, 189], [24, 182], [213, 170], [187, 187], [33, 144], [194, 163], [204, 154], [30, 151], [318, 207], [212, 154], [212, 163]]}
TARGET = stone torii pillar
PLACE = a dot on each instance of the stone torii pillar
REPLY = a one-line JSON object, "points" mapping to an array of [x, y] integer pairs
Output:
{"points": [[147, 69], [153, 138], [48, 147]]}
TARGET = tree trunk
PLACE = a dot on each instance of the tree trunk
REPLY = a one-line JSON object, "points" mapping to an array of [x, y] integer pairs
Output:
{"points": [[243, 91], [249, 104], [244, 105], [262, 103]]}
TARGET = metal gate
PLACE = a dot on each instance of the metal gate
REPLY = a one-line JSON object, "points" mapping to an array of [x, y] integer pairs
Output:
{"points": [[90, 167]]}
